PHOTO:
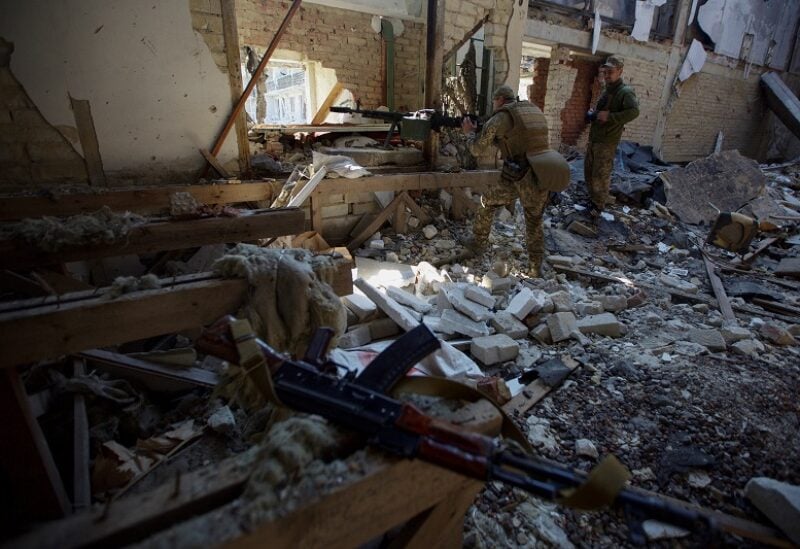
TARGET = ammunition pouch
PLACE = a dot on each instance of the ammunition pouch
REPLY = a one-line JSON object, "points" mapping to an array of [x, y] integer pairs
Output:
{"points": [[515, 169]]}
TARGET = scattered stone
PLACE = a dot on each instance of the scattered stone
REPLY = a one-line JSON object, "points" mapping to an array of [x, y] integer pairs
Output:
{"points": [[429, 231], [591, 308], [655, 530], [494, 348], [748, 347], [479, 295], [776, 334], [527, 301], [678, 284], [495, 283], [468, 307], [358, 336], [711, 339], [561, 326], [383, 327], [360, 305], [222, 421], [688, 348], [614, 303], [603, 324], [562, 301], [506, 323], [408, 299], [779, 501], [585, 447], [455, 323], [732, 334], [541, 333]]}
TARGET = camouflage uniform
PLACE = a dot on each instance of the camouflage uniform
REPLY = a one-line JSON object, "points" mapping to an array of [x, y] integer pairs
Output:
{"points": [[621, 102], [500, 130]]}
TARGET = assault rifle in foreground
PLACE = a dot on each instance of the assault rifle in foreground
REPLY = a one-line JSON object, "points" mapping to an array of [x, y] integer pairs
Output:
{"points": [[360, 403], [413, 125]]}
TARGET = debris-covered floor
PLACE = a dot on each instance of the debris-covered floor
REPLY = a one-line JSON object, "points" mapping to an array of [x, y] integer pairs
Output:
{"points": [[694, 402]]}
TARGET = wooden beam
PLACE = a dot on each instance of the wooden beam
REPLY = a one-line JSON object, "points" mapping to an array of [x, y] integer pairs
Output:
{"points": [[88, 139], [534, 392], [719, 291], [170, 235], [376, 224], [325, 108], [36, 488], [81, 485], [215, 163], [230, 33], [144, 200], [133, 518], [305, 191], [478, 180], [695, 298], [177, 378], [52, 330], [47, 327]]}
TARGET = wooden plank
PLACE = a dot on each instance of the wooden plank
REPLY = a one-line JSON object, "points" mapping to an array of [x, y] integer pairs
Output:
{"points": [[315, 202], [325, 108], [376, 223], [478, 180], [385, 497], [177, 378], [766, 243], [81, 486], [415, 208], [696, 298], [534, 392], [34, 482], [53, 330], [211, 159], [133, 518], [230, 33], [719, 291], [301, 195], [777, 307], [145, 200], [89, 143], [170, 235]]}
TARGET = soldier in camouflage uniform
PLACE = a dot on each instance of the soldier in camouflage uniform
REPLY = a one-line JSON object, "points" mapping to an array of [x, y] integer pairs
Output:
{"points": [[616, 107], [517, 128]]}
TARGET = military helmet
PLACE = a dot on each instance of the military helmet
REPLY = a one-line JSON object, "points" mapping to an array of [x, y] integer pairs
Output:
{"points": [[504, 91]]}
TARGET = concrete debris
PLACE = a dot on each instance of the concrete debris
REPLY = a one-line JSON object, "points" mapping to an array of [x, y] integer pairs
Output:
{"points": [[779, 501]]}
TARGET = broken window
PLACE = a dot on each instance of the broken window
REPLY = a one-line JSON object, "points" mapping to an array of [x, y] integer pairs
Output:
{"points": [[468, 77], [281, 94]]}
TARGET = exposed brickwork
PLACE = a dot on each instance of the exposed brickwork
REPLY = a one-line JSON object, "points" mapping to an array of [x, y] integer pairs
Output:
{"points": [[207, 22], [573, 115], [710, 103], [342, 40], [538, 91], [31, 150], [647, 80]]}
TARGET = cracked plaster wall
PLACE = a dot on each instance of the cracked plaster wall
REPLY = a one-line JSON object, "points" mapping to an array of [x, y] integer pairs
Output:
{"points": [[156, 89]]}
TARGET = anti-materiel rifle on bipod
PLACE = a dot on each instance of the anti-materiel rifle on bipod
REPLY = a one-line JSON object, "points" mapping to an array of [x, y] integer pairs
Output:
{"points": [[360, 403], [413, 125]]}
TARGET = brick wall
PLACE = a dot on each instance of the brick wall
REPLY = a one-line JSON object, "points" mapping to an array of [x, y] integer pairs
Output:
{"points": [[31, 150], [585, 86], [716, 99], [207, 22], [538, 91], [342, 40], [647, 80]]}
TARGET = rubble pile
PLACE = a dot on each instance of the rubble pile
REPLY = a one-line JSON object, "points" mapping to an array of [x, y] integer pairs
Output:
{"points": [[695, 403]]}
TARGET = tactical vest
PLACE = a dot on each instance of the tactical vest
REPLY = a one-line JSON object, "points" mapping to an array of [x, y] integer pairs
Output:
{"points": [[529, 138], [529, 133]]}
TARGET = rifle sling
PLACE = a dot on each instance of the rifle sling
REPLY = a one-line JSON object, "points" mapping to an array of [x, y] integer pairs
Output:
{"points": [[252, 360], [602, 485], [449, 388]]}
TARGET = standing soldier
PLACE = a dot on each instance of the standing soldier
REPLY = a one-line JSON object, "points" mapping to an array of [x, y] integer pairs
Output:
{"points": [[616, 107], [531, 170]]}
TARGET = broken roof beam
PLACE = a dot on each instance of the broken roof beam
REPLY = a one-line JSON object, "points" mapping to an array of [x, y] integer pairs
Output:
{"points": [[144, 200], [54, 329], [782, 101], [161, 236]]}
